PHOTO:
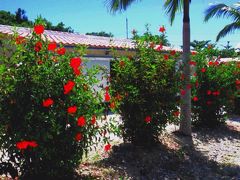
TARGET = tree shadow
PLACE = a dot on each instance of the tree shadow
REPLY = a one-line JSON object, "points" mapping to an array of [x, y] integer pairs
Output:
{"points": [[182, 161]]}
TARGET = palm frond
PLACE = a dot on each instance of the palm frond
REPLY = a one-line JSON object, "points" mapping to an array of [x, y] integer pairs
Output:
{"points": [[222, 10], [118, 5], [173, 6], [230, 28]]}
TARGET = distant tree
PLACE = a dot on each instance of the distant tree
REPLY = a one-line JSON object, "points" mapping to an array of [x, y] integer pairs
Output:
{"points": [[21, 16], [228, 51], [102, 33], [20, 19], [223, 10], [199, 45]]}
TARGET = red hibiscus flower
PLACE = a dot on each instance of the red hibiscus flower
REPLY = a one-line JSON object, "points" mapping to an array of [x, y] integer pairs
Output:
{"points": [[216, 93], [38, 46], [78, 137], [121, 64], [209, 92], [107, 147], [203, 70], [25, 144], [176, 113], [61, 51], [211, 63], [162, 29], [151, 45], [118, 97], [159, 47], [189, 86], [193, 63], [52, 46], [173, 52], [112, 105], [72, 109], [22, 145], [68, 87], [195, 98], [216, 63], [75, 62], [166, 57], [20, 40], [32, 144], [93, 120], [47, 102], [196, 84], [107, 97], [81, 121], [183, 92], [194, 53], [237, 82], [148, 119], [39, 29]]}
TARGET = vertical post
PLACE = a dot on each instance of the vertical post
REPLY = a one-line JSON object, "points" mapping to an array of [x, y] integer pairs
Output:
{"points": [[127, 28]]}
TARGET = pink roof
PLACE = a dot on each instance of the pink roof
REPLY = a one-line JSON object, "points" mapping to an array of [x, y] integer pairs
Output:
{"points": [[72, 39]]}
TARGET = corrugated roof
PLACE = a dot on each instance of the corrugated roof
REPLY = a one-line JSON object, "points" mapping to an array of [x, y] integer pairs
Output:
{"points": [[72, 39]]}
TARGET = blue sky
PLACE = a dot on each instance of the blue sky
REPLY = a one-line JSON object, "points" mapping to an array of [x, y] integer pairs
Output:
{"points": [[92, 15]]}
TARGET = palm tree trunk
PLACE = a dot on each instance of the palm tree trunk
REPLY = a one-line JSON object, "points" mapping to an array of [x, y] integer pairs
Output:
{"points": [[185, 124]]}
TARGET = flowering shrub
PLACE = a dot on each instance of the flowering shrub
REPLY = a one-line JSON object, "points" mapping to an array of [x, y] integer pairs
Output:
{"points": [[144, 89], [214, 87], [48, 106]]}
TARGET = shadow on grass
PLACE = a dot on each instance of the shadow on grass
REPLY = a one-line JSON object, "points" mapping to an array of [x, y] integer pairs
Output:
{"points": [[160, 162]]}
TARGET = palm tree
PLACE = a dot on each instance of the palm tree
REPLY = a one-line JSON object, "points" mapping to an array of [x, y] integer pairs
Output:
{"points": [[223, 10], [172, 6]]}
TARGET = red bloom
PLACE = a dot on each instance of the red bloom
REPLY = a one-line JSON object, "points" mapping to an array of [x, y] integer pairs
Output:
{"points": [[197, 84], [25, 144], [118, 97], [216, 93], [166, 57], [237, 82], [195, 98], [52, 46], [39, 29], [195, 74], [211, 63], [81, 121], [22, 145], [176, 113], [159, 47], [72, 109], [151, 45], [173, 52], [78, 137], [203, 70], [121, 64], [107, 97], [76, 71], [40, 62], [75, 62], [189, 86], [38, 46], [107, 147], [20, 40], [61, 51], [193, 63], [209, 92], [32, 144], [162, 29], [47, 102], [93, 120], [194, 53], [182, 77], [183, 92], [68, 87], [216, 63], [148, 119], [112, 105]]}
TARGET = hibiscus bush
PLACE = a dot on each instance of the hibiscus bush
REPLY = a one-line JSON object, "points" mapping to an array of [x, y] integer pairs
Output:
{"points": [[144, 89], [50, 110], [215, 85]]}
